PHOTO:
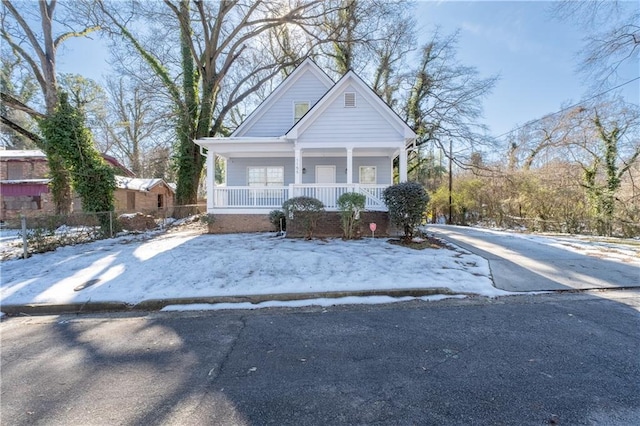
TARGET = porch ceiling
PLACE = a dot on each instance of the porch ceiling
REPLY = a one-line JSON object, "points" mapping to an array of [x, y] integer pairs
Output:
{"points": [[247, 147], [281, 147]]}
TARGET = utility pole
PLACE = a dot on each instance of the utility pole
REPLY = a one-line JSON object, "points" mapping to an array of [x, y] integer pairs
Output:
{"points": [[450, 221]]}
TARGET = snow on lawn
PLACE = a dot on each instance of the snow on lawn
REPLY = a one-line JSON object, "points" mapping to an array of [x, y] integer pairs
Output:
{"points": [[185, 264]]}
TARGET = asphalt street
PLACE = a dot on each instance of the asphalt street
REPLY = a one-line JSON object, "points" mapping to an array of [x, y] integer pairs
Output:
{"points": [[568, 359], [519, 264]]}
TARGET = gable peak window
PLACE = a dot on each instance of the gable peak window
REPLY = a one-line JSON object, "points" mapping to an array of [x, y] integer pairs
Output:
{"points": [[300, 108], [350, 100]]}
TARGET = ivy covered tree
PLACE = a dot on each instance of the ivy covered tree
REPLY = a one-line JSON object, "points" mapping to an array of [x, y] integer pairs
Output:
{"points": [[68, 138]]}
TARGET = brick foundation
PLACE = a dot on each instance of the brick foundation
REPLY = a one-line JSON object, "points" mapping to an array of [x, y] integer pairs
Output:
{"points": [[236, 223], [329, 225]]}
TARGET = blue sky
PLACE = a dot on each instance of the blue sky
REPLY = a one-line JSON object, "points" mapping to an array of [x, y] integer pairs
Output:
{"points": [[534, 54]]}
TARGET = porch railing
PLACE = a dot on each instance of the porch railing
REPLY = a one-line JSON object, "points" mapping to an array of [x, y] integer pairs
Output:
{"points": [[250, 197], [272, 197]]}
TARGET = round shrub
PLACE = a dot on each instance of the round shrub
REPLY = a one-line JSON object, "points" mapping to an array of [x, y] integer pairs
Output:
{"points": [[407, 202], [350, 205], [306, 210]]}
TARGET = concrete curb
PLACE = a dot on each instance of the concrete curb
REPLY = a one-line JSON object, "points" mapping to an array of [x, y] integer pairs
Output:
{"points": [[158, 304]]}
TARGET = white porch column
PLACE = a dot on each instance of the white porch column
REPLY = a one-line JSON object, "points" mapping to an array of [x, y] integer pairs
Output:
{"points": [[298, 162], [211, 179], [349, 166], [403, 165]]}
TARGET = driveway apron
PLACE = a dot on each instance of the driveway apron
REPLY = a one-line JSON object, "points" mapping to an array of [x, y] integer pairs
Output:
{"points": [[520, 264]]}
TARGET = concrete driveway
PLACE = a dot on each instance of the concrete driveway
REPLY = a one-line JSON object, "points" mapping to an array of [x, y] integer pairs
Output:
{"points": [[522, 264]]}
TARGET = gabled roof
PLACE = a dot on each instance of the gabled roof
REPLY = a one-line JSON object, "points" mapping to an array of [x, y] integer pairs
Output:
{"points": [[137, 184], [118, 166], [351, 78], [306, 66]]}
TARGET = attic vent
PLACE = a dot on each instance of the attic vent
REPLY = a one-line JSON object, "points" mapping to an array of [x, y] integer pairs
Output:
{"points": [[350, 100]]}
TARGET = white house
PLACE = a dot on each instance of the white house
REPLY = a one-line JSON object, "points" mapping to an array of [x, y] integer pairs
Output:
{"points": [[314, 137]]}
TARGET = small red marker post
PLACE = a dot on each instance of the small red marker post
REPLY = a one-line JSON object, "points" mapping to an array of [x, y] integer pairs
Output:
{"points": [[373, 226]]}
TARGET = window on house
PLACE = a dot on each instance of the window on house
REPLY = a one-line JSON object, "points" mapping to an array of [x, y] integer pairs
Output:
{"points": [[265, 176], [160, 201], [368, 174], [131, 200], [299, 109], [350, 100], [14, 170]]}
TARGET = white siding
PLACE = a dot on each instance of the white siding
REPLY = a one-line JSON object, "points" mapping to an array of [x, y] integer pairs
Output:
{"points": [[362, 124], [278, 118]]}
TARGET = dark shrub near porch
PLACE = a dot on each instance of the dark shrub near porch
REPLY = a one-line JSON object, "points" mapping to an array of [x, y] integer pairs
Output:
{"points": [[407, 202]]}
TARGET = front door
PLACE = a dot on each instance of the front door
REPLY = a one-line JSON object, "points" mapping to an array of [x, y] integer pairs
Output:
{"points": [[325, 174], [326, 194]]}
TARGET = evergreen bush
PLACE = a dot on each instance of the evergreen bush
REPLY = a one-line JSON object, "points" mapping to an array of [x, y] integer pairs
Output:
{"points": [[407, 202], [278, 220], [350, 205], [305, 210]]}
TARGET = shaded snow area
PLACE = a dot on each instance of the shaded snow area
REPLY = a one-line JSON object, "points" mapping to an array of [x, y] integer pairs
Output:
{"points": [[185, 264]]}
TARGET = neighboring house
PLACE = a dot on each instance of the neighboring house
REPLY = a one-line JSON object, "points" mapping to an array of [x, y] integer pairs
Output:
{"points": [[310, 137], [24, 186], [118, 168], [143, 195]]}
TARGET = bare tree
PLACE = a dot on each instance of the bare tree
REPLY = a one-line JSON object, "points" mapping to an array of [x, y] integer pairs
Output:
{"points": [[611, 34], [138, 130], [217, 62], [367, 36], [445, 100], [16, 82], [600, 141], [88, 96]]}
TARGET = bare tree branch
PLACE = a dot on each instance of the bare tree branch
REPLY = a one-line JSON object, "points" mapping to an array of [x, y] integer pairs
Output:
{"points": [[17, 104], [21, 130]]}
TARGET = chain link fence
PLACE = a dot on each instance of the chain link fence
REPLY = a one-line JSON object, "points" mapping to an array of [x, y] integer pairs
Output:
{"points": [[26, 235]]}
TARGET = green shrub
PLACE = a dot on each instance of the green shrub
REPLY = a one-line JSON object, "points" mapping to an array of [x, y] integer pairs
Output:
{"points": [[208, 219], [305, 210], [407, 202], [350, 205], [278, 220]]}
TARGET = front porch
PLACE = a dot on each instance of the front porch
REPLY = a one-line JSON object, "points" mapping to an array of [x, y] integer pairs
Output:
{"points": [[263, 199]]}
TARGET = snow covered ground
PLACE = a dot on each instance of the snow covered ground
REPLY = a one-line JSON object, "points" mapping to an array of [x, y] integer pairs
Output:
{"points": [[187, 263]]}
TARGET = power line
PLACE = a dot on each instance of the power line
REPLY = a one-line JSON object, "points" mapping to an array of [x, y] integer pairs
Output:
{"points": [[566, 108]]}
